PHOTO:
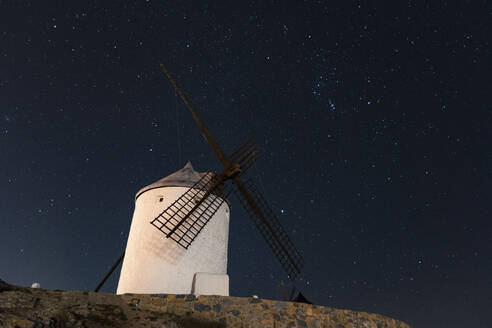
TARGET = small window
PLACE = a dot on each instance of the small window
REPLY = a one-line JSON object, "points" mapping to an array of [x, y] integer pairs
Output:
{"points": [[160, 199]]}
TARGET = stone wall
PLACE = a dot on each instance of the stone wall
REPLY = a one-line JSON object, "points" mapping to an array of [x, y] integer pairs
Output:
{"points": [[26, 307]]}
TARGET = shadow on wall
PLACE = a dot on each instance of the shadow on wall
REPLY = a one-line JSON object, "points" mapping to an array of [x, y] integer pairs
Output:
{"points": [[164, 248]]}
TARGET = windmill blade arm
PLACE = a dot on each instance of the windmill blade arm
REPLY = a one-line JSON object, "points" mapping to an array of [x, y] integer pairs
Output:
{"points": [[206, 134], [269, 226], [214, 184], [184, 219]]}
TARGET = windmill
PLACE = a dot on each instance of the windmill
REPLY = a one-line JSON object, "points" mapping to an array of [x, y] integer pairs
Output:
{"points": [[188, 215]]}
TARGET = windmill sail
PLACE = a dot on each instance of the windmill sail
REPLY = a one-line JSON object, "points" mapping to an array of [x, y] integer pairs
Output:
{"points": [[183, 220], [269, 226]]}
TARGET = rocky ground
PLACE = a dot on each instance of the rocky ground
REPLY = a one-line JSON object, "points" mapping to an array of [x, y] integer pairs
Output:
{"points": [[27, 307]]}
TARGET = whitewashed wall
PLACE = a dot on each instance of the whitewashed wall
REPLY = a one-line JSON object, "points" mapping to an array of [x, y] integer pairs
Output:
{"points": [[156, 264]]}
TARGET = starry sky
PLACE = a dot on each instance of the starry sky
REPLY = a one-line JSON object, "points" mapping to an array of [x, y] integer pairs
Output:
{"points": [[372, 123]]}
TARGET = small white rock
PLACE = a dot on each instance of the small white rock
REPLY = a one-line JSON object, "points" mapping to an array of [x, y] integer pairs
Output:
{"points": [[255, 296], [36, 285]]}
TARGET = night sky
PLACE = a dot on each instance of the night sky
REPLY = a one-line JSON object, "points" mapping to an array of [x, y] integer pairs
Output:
{"points": [[373, 124]]}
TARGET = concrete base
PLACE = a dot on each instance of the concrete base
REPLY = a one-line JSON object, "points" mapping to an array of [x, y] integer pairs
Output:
{"points": [[210, 284]]}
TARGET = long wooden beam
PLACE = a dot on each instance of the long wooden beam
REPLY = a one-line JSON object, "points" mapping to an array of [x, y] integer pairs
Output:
{"points": [[206, 134]]}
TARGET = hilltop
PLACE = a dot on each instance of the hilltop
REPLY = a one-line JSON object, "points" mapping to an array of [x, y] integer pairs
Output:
{"points": [[28, 307]]}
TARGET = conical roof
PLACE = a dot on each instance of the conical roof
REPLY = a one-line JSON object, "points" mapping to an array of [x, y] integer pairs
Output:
{"points": [[185, 177]]}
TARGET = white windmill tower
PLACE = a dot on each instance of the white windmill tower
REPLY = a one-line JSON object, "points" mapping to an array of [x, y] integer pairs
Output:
{"points": [[189, 208], [153, 264]]}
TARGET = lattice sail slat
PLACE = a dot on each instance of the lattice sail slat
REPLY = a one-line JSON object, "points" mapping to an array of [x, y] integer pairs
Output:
{"points": [[269, 226], [245, 155], [177, 216]]}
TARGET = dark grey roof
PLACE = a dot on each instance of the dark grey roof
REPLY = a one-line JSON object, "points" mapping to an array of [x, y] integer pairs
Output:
{"points": [[186, 177]]}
